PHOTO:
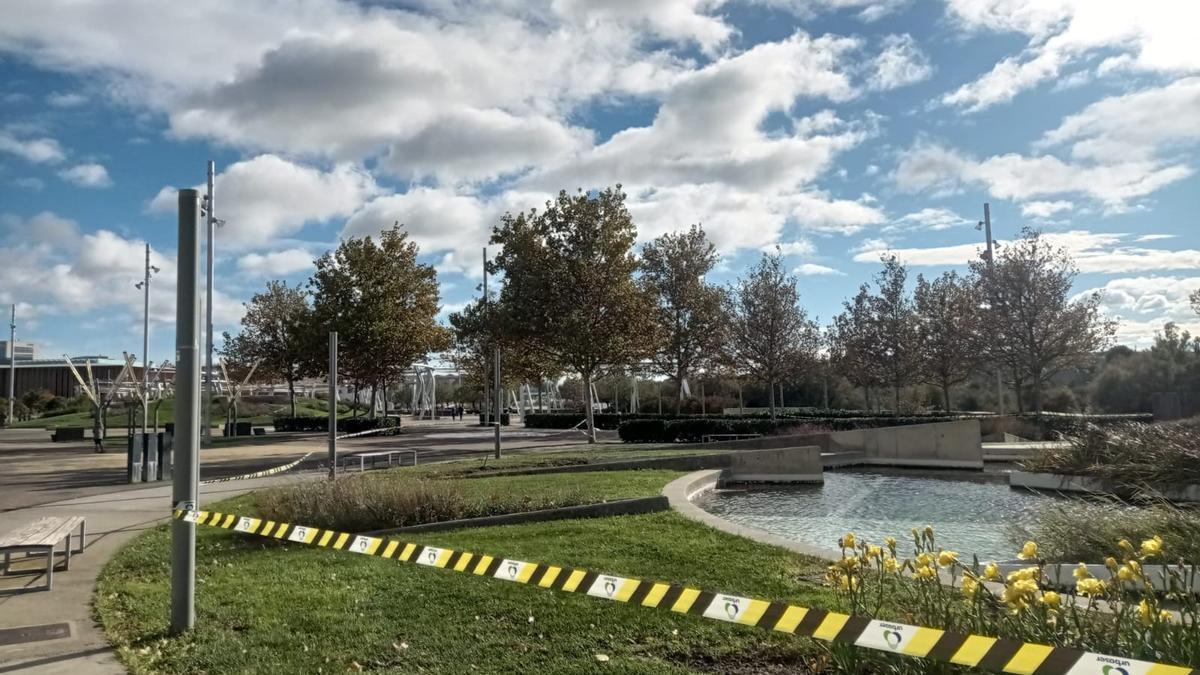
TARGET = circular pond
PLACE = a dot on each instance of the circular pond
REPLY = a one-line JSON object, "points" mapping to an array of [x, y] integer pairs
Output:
{"points": [[969, 514]]}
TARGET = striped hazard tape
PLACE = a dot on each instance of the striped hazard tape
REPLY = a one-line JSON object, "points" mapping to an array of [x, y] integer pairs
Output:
{"points": [[974, 651], [258, 474]]}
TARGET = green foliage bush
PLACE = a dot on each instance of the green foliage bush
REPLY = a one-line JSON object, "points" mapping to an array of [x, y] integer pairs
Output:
{"points": [[349, 425], [1136, 456]]}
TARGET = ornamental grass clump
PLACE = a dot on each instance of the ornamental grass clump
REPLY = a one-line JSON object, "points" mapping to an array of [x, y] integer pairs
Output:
{"points": [[1138, 457], [1118, 613]]}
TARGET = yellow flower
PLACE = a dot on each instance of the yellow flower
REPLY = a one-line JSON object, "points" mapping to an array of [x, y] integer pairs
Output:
{"points": [[1051, 599], [926, 572], [1028, 551], [1152, 546], [1081, 572], [1023, 574], [1110, 562], [1164, 616], [891, 542], [874, 551], [925, 559], [890, 565], [992, 572], [1018, 594], [1135, 566], [928, 532], [1090, 587], [947, 558], [1145, 613], [848, 583], [1126, 574], [1125, 545], [848, 540], [970, 586]]}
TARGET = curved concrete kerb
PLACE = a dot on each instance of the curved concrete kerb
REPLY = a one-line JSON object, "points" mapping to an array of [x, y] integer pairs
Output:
{"points": [[681, 491]]}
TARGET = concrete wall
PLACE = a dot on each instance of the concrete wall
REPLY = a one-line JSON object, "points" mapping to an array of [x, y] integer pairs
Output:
{"points": [[776, 465], [941, 444]]}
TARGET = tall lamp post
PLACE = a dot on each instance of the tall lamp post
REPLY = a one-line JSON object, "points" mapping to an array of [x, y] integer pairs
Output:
{"points": [[986, 226], [12, 364], [144, 284], [210, 222]]}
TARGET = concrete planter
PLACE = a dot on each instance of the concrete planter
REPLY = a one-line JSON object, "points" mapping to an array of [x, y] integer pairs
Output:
{"points": [[1066, 483]]}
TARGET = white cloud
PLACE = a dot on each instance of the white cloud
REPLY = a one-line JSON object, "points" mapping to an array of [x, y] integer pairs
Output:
{"points": [[931, 218], [900, 63], [268, 197], [1042, 210], [1093, 252], [1143, 304], [799, 247], [36, 150], [1136, 126], [682, 20], [276, 264], [89, 175], [929, 166], [30, 183], [1153, 35], [866, 10], [1154, 237], [65, 99], [812, 269], [45, 227]]}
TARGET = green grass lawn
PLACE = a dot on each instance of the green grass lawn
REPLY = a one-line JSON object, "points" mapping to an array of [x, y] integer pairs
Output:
{"points": [[580, 454], [264, 607]]}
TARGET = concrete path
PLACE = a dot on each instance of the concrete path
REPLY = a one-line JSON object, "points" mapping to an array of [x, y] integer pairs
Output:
{"points": [[112, 520]]}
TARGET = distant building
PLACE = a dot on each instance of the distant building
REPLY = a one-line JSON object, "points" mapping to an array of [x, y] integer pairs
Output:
{"points": [[25, 351], [54, 374]]}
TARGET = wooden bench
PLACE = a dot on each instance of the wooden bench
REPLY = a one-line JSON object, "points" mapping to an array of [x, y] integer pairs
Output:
{"points": [[41, 537]]}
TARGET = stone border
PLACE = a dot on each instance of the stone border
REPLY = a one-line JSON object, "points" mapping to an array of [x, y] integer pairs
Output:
{"points": [[620, 507], [1067, 483], [681, 491], [680, 463]]}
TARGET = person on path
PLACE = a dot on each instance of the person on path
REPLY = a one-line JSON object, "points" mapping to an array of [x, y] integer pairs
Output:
{"points": [[98, 432]]}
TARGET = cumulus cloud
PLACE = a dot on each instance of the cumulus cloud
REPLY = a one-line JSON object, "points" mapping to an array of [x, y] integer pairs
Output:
{"points": [[1042, 210], [89, 175], [1144, 303], [812, 269], [65, 99], [900, 63], [931, 218], [930, 166], [267, 197], [276, 263], [1093, 252], [1153, 36], [37, 150]]}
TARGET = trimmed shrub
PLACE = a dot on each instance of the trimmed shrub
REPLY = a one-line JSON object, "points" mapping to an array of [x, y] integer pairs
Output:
{"points": [[645, 431], [349, 425]]}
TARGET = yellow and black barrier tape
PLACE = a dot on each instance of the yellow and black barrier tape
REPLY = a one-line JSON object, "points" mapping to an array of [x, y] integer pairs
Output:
{"points": [[259, 474], [974, 651]]}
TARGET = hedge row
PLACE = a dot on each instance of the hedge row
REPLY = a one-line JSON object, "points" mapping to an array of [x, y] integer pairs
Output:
{"points": [[694, 430], [348, 425]]}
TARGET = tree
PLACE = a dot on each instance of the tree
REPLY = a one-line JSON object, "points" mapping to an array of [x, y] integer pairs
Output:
{"points": [[1035, 326], [478, 330], [382, 303], [770, 334], [569, 292], [690, 311], [276, 333], [852, 341], [947, 315], [896, 351]]}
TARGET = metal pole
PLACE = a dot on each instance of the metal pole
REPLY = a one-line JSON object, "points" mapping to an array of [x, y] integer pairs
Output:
{"points": [[185, 485], [486, 397], [333, 354], [12, 364], [209, 221], [499, 403], [987, 225], [146, 344]]}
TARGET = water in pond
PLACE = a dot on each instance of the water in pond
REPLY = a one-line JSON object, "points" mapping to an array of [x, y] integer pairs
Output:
{"points": [[969, 516]]}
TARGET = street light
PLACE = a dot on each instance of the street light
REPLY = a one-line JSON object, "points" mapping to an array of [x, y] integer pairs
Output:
{"points": [[144, 286]]}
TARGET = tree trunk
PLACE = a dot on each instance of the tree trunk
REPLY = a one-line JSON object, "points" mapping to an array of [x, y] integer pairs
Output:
{"points": [[679, 388], [741, 400], [866, 398], [371, 412], [292, 393], [1037, 391], [356, 399], [946, 395], [703, 403], [781, 403], [771, 397], [589, 413], [385, 401], [1019, 394], [896, 393]]}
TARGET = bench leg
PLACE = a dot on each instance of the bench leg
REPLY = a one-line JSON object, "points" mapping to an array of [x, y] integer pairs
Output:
{"points": [[7, 561], [82, 534], [50, 569], [66, 554]]}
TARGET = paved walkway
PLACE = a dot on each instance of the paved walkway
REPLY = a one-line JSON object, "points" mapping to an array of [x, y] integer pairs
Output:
{"points": [[112, 520], [44, 479]]}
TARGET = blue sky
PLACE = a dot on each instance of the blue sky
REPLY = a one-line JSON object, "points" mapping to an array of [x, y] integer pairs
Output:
{"points": [[836, 129]]}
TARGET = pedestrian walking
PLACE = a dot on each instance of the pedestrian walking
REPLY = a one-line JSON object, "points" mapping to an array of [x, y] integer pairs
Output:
{"points": [[97, 432]]}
